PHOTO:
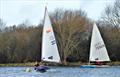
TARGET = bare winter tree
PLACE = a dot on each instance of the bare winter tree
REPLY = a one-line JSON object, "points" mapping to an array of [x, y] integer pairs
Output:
{"points": [[71, 31], [110, 26], [112, 14]]}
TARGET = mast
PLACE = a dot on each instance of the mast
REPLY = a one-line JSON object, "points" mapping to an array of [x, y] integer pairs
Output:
{"points": [[44, 15], [42, 30]]}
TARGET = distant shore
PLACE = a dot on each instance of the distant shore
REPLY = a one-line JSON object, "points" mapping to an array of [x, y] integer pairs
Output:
{"points": [[31, 64], [17, 64]]}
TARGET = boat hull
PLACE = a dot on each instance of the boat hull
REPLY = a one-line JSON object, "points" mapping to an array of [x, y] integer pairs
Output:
{"points": [[41, 68], [94, 66]]}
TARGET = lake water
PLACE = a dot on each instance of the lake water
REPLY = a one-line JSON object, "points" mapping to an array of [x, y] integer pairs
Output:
{"points": [[113, 71]]}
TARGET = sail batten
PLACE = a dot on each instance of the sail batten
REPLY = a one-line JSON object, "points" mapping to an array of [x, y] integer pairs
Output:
{"points": [[98, 51], [49, 46]]}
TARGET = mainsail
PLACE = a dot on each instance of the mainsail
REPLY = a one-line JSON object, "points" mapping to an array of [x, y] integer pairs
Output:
{"points": [[49, 47], [98, 51]]}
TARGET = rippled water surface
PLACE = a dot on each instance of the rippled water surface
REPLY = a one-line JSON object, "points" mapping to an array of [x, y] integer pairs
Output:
{"points": [[113, 71]]}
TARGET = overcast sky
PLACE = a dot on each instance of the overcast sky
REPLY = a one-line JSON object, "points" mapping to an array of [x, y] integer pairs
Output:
{"points": [[18, 11]]}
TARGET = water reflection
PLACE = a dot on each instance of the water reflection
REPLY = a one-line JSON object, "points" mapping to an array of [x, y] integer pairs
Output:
{"points": [[61, 72]]}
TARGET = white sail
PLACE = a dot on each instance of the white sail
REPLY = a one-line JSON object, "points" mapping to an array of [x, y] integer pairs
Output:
{"points": [[49, 47], [98, 51]]}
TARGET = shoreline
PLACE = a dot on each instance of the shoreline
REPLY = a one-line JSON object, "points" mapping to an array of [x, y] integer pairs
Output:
{"points": [[69, 64]]}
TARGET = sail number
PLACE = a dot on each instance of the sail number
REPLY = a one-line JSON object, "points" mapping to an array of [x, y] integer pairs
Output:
{"points": [[99, 45], [53, 42]]}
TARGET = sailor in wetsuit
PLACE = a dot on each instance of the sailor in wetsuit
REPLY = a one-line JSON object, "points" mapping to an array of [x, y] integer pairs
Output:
{"points": [[36, 65]]}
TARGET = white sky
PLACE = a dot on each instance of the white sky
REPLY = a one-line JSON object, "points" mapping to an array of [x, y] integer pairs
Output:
{"points": [[17, 11]]}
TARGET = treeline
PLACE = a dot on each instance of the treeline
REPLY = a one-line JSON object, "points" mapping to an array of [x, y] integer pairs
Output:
{"points": [[20, 44], [72, 29]]}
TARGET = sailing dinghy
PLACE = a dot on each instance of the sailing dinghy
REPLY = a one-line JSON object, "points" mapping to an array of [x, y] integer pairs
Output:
{"points": [[49, 47], [98, 51]]}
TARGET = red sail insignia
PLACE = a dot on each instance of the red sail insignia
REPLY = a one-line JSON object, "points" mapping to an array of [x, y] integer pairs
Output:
{"points": [[48, 30]]}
